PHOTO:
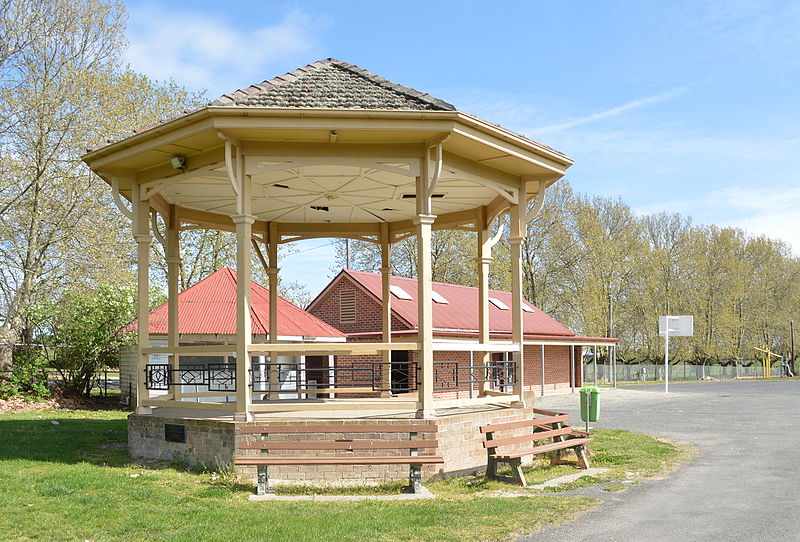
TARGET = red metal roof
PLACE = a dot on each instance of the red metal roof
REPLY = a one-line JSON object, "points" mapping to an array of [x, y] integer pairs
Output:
{"points": [[461, 311], [209, 307]]}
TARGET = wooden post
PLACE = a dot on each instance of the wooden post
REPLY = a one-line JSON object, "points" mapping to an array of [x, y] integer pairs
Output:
{"points": [[386, 308], [425, 315], [244, 337], [273, 374], [173, 270], [484, 259], [142, 236], [423, 222], [516, 235]]}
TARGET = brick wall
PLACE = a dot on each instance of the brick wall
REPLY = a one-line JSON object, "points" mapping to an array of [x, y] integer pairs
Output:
{"points": [[208, 442], [215, 442], [556, 367], [460, 438], [368, 310], [368, 319]]}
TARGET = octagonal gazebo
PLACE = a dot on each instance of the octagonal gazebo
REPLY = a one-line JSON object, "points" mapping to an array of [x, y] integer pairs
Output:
{"points": [[328, 150]]}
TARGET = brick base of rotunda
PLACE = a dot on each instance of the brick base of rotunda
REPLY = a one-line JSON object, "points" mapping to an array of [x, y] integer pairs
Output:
{"points": [[214, 442]]}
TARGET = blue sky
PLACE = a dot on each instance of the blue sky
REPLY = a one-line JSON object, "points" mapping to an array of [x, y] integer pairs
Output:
{"points": [[690, 107]]}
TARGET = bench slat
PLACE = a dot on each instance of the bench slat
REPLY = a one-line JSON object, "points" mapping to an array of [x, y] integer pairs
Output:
{"points": [[386, 428], [571, 443], [544, 412], [395, 460], [531, 437], [524, 423], [337, 445]]}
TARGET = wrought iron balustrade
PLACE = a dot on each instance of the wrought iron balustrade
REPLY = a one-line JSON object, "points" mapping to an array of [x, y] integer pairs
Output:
{"points": [[294, 378], [215, 376]]}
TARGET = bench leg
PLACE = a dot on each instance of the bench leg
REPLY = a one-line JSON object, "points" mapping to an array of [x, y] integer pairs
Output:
{"points": [[583, 460], [414, 478], [491, 468], [263, 481], [516, 470]]}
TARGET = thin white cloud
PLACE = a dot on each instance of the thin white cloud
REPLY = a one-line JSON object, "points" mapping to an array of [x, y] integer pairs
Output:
{"points": [[763, 209], [613, 112], [203, 51]]}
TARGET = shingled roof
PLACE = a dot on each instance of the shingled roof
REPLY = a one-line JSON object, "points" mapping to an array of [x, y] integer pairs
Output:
{"points": [[333, 84], [326, 84]]}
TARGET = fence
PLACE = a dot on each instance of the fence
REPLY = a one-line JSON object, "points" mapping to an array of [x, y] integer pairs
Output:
{"points": [[654, 372], [104, 381]]}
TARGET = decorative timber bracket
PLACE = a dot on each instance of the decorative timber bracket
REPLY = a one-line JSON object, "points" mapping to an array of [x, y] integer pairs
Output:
{"points": [[118, 199], [235, 172], [538, 203], [431, 176]]}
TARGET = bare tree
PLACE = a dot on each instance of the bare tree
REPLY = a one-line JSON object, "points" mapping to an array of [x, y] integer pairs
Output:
{"points": [[61, 91]]}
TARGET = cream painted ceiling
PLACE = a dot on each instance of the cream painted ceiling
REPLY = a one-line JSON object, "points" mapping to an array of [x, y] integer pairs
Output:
{"points": [[337, 193]]}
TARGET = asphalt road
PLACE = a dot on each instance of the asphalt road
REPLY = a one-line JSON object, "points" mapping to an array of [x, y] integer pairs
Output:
{"points": [[744, 485]]}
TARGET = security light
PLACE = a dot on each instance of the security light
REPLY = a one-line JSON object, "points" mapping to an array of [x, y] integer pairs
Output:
{"points": [[177, 162]]}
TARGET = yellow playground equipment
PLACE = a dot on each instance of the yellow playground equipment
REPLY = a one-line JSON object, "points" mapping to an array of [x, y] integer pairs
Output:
{"points": [[767, 360]]}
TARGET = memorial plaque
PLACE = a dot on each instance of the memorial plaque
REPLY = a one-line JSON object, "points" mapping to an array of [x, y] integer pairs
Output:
{"points": [[174, 432]]}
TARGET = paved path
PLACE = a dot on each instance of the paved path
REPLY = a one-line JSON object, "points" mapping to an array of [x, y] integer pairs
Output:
{"points": [[745, 485]]}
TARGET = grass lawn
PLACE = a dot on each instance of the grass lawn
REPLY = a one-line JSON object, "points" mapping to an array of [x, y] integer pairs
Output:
{"points": [[65, 475], [71, 480]]}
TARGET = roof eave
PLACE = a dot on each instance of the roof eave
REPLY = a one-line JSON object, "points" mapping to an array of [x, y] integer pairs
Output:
{"points": [[250, 111]]}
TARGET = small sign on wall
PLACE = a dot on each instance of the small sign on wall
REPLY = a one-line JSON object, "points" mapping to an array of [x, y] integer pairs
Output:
{"points": [[175, 432]]}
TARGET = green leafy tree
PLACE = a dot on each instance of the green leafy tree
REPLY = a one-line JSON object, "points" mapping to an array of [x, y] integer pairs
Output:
{"points": [[83, 332]]}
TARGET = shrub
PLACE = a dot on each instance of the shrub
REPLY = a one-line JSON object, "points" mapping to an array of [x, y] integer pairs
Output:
{"points": [[27, 375], [83, 332]]}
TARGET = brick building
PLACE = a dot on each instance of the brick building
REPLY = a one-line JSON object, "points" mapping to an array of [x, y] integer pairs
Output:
{"points": [[207, 318], [352, 302]]}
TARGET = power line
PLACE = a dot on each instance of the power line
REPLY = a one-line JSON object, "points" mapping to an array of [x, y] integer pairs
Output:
{"points": [[309, 249]]}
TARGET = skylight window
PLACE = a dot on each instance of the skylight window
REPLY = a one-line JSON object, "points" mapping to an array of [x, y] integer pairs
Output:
{"points": [[439, 298], [526, 308], [499, 304], [399, 293]]}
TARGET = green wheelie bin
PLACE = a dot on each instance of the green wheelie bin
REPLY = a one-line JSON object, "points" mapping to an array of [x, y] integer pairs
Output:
{"points": [[591, 411]]}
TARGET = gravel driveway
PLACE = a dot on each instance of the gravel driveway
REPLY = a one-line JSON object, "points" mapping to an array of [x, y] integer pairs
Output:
{"points": [[744, 485]]}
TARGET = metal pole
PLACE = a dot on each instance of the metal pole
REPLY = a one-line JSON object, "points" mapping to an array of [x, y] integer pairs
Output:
{"points": [[572, 367], [614, 364], [791, 334], [594, 363], [347, 253], [611, 362], [471, 368], [588, 402], [542, 391], [666, 357]]}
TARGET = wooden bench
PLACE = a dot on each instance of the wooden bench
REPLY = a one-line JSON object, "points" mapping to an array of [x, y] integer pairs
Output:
{"points": [[355, 451], [550, 426]]}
